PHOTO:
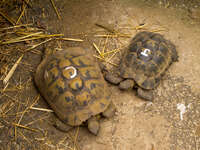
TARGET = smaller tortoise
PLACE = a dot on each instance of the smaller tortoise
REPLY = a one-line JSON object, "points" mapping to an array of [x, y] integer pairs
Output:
{"points": [[73, 85], [143, 64]]}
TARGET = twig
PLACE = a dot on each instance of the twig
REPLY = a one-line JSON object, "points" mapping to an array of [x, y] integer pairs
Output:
{"points": [[24, 37], [24, 7], [7, 107], [29, 39], [17, 26], [106, 61], [104, 46], [24, 137], [75, 138], [70, 39], [34, 46], [41, 109], [32, 122], [112, 51], [95, 46], [106, 28], [102, 54], [5, 87], [19, 39], [11, 98], [7, 18], [12, 70], [113, 35], [54, 6], [37, 98], [158, 30], [25, 127]]}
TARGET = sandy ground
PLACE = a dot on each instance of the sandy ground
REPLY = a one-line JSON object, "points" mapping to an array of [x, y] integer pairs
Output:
{"points": [[138, 124]]}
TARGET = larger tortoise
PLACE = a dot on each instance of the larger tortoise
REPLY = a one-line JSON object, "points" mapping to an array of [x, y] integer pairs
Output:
{"points": [[144, 63], [72, 84]]}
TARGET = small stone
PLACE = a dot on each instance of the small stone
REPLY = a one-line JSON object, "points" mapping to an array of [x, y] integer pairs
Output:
{"points": [[195, 13]]}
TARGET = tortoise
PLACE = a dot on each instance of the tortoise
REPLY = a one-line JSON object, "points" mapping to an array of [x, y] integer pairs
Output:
{"points": [[144, 63], [73, 85]]}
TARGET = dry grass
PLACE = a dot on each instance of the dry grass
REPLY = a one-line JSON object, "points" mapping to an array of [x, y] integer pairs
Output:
{"points": [[18, 110], [118, 35]]}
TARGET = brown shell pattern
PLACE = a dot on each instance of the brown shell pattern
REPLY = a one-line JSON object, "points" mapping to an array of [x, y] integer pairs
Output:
{"points": [[147, 58], [73, 86]]}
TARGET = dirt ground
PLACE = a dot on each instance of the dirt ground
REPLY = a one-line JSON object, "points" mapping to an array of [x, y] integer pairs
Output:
{"points": [[137, 124]]}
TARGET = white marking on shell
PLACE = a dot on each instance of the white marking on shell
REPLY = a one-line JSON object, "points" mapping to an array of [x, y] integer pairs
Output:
{"points": [[146, 52], [74, 71]]}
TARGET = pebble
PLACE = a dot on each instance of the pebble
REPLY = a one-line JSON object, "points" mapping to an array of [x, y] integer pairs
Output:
{"points": [[195, 13]]}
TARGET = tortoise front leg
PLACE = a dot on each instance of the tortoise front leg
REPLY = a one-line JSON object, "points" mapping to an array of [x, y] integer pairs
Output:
{"points": [[145, 94], [123, 84], [112, 78], [126, 84], [93, 122]]}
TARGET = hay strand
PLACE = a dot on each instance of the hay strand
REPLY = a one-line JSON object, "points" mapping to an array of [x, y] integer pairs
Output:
{"points": [[10, 20], [10, 73], [41, 109], [95, 46], [36, 45], [17, 26], [106, 28], [70, 39], [56, 10], [22, 13], [24, 127]]}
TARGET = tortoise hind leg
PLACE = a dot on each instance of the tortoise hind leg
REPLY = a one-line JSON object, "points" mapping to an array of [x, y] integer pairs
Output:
{"points": [[93, 125], [172, 47], [110, 111], [93, 122], [145, 94], [58, 124]]}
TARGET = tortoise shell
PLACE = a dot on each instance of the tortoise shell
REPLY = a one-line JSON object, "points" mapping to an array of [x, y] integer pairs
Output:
{"points": [[147, 58], [72, 84]]}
